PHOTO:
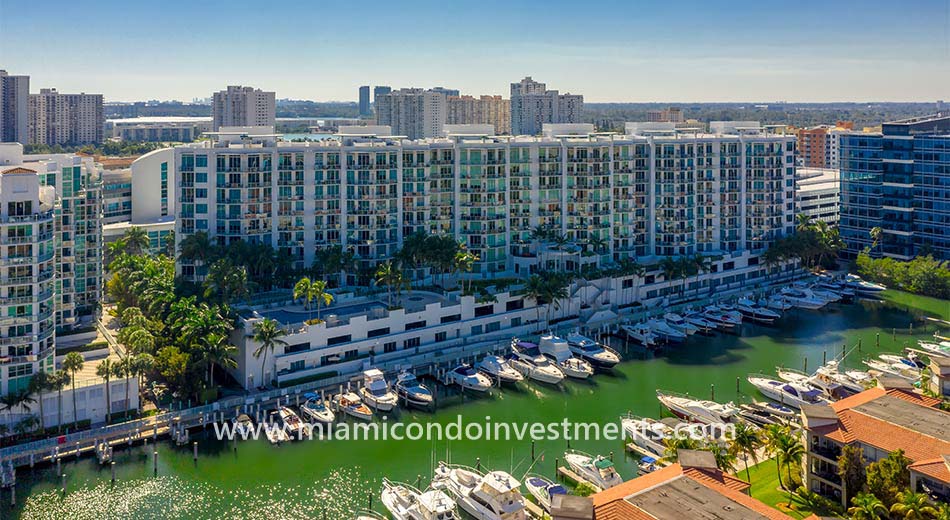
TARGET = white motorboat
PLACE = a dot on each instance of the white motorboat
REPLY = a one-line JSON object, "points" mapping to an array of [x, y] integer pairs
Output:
{"points": [[558, 350], [722, 320], [526, 358], [243, 426], [491, 496], [647, 465], [640, 333], [776, 302], [665, 332], [696, 319], [704, 411], [829, 372], [762, 414], [316, 410], [468, 378], [826, 283], [498, 368], [792, 394], [754, 312], [828, 386], [729, 310], [598, 470], [275, 431], [350, 404], [679, 323], [940, 349], [411, 391], [291, 421], [825, 294], [647, 433], [405, 502], [376, 393], [543, 489], [802, 298], [863, 287], [910, 360], [598, 355], [894, 369]]}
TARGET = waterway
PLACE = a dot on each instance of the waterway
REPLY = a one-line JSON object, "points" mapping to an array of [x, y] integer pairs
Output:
{"points": [[329, 479]]}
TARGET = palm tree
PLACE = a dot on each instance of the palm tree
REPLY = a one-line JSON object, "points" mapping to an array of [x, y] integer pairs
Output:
{"points": [[196, 248], [73, 363], [268, 334], [40, 383], [540, 236], [943, 512], [791, 451], [913, 506], [699, 265], [57, 381], [218, 351], [802, 222], [535, 289], [555, 290], [876, 234], [26, 425], [867, 507], [725, 459], [136, 240], [772, 440], [141, 365], [464, 262], [745, 443], [18, 399], [104, 370], [671, 269], [389, 275], [123, 368], [672, 445], [312, 290]]}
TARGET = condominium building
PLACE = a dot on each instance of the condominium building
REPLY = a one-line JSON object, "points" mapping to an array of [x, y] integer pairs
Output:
{"points": [[881, 420], [364, 101], [243, 106], [490, 110], [152, 200], [818, 194], [14, 108], [818, 147], [65, 119], [27, 272], [649, 193], [533, 106], [413, 112], [447, 91], [666, 115], [116, 196], [379, 90], [897, 180], [159, 129]]}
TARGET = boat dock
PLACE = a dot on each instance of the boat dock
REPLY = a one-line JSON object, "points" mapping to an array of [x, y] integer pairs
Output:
{"points": [[534, 510], [633, 448], [568, 473]]}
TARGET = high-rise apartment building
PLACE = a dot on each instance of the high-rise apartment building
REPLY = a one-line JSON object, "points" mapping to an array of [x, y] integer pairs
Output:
{"points": [[649, 193], [413, 112], [897, 180], [818, 147], [486, 110], [818, 194], [379, 90], [56, 118], [14, 108], [446, 91], [666, 115], [364, 101], [533, 106], [243, 106]]}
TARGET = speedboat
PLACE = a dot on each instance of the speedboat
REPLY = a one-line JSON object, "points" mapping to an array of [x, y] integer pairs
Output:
{"points": [[700, 410], [679, 323], [803, 298], [828, 386], [598, 470], [274, 432], [468, 378], [665, 332], [316, 410], [826, 283], [291, 421], [729, 310], [498, 368], [598, 355], [543, 489], [405, 502], [526, 358], [640, 333], [376, 392], [647, 433], [490, 496], [696, 319], [774, 408], [894, 369], [243, 426], [825, 294], [753, 311], [411, 391], [647, 465], [350, 404], [722, 320], [910, 360], [558, 350], [863, 287], [776, 302], [760, 414], [788, 393], [941, 349]]}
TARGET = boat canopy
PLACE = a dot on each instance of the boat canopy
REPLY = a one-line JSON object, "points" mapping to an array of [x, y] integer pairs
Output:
{"points": [[310, 395], [556, 490], [647, 460], [603, 464]]}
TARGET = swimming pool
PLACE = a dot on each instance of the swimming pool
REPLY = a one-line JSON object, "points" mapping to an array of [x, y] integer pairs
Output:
{"points": [[288, 317]]}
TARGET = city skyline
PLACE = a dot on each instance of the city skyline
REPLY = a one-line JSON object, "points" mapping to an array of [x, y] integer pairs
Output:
{"points": [[749, 52]]}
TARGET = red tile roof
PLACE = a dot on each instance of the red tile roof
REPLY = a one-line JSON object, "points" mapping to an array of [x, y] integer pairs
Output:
{"points": [[937, 469]]}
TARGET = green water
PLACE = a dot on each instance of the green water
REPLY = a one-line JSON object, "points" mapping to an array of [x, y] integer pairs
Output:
{"points": [[334, 477]]}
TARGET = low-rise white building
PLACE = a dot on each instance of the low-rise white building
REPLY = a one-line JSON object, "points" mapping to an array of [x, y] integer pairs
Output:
{"points": [[818, 194]]}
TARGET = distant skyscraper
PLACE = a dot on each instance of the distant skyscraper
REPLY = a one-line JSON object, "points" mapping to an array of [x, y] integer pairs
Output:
{"points": [[492, 110], [532, 105], [413, 112], [243, 106], [379, 91], [56, 118], [364, 101], [446, 91], [14, 111]]}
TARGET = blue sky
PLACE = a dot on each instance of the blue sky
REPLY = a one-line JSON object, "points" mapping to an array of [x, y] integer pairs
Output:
{"points": [[638, 51]]}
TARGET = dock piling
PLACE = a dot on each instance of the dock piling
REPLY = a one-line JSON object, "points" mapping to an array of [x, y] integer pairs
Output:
{"points": [[155, 462], [63, 479], [194, 446], [712, 391], [13, 495]]}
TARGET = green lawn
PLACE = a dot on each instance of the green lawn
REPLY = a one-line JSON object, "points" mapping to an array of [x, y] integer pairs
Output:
{"points": [[765, 488], [937, 307]]}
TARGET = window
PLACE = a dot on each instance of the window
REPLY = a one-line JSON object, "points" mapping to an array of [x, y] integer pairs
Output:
{"points": [[377, 332], [338, 340], [411, 343], [484, 310], [515, 305], [389, 346], [416, 325], [440, 336], [452, 317]]}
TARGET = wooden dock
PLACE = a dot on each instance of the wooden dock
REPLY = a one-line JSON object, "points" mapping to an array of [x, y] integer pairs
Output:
{"points": [[569, 474], [633, 448], [534, 510]]}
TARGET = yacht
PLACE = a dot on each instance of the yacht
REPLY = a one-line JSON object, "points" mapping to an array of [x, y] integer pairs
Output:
{"points": [[679, 323], [910, 360], [647, 433], [350, 404], [825, 294], [939, 349], [411, 391], [376, 392], [558, 350], [729, 310], [752, 310], [498, 368], [640, 333], [468, 378], [776, 302], [526, 358], [802, 298], [243, 426], [647, 465], [598, 470], [543, 490], [828, 386], [490, 496], [829, 372], [722, 320], [665, 332], [405, 502], [894, 369], [696, 319], [792, 394], [316, 410], [863, 287], [690, 409], [598, 355], [291, 421], [826, 283], [762, 415]]}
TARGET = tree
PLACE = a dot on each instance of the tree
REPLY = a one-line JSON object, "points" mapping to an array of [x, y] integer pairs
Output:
{"points": [[312, 290], [26, 425], [913, 506], [802, 222], [851, 465], [390, 276], [791, 452], [18, 399], [535, 289], [672, 445], [218, 351], [876, 234], [773, 436], [104, 370], [555, 290], [671, 269], [57, 381], [867, 507], [745, 443], [725, 459], [73, 363], [123, 369], [464, 261], [888, 477], [196, 248], [226, 280], [39, 384], [698, 264], [268, 333], [136, 241]]}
